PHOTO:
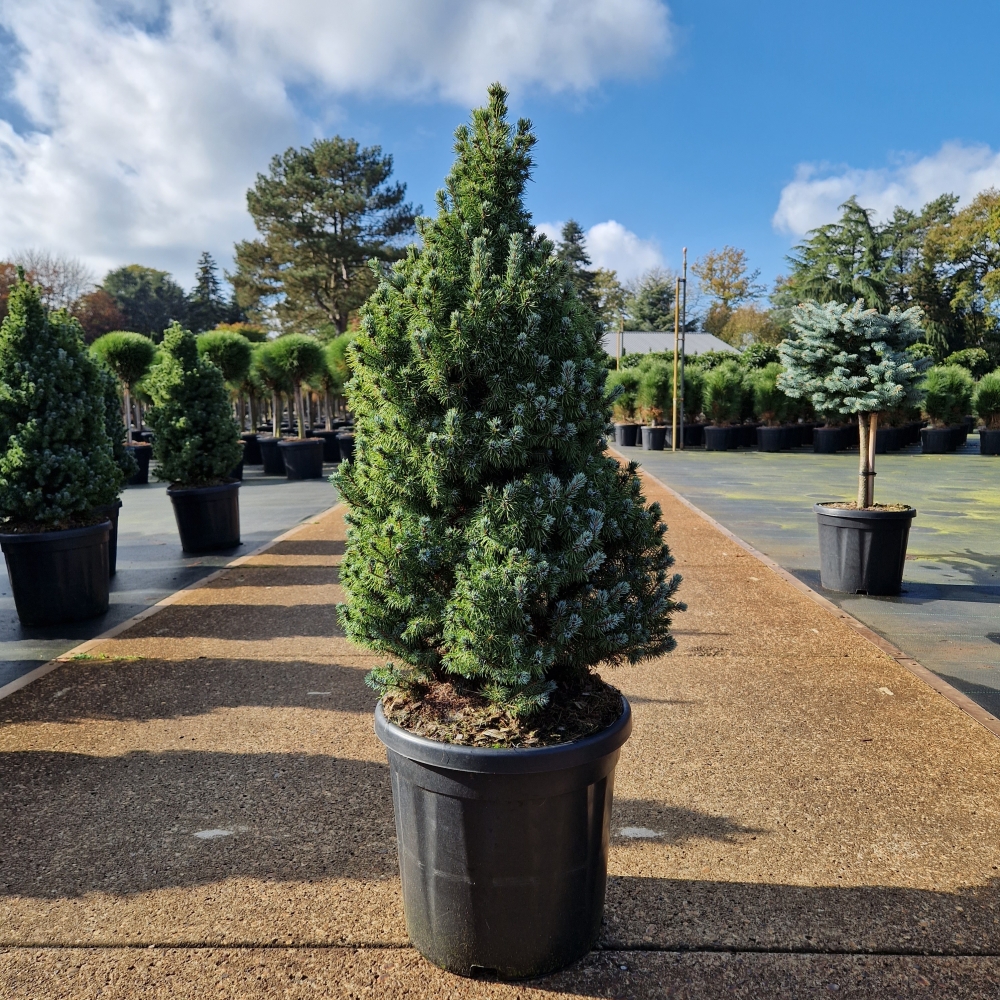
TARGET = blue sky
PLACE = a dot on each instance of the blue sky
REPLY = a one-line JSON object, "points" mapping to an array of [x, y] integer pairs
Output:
{"points": [[129, 129]]}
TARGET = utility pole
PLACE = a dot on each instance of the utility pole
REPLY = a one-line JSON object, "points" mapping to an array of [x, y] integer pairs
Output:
{"points": [[621, 331], [677, 335], [684, 301]]}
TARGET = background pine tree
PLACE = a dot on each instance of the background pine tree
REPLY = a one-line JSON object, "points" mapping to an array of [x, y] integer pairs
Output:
{"points": [[491, 540]]}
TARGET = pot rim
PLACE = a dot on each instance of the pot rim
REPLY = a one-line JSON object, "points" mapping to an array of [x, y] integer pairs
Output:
{"points": [[865, 515], [139, 444], [175, 489], [26, 537], [297, 440], [511, 760]]}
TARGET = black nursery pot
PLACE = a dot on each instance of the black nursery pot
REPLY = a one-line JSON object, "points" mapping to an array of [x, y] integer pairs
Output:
{"points": [[503, 854], [774, 438], [208, 517], [251, 449], [274, 464], [938, 440], [625, 435], [142, 453], [346, 442], [828, 440], [110, 511], [721, 438], [331, 448], [863, 551], [654, 438], [303, 457], [59, 576], [989, 442]]}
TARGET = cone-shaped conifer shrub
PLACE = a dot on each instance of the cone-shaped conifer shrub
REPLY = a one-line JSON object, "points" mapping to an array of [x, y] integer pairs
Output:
{"points": [[493, 546], [56, 461], [197, 441]]}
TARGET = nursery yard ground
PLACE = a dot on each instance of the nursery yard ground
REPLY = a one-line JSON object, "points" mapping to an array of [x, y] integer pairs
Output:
{"points": [[948, 616], [151, 564], [207, 811]]}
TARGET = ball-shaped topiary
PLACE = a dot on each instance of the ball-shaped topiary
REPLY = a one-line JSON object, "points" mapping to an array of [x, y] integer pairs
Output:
{"points": [[947, 394], [492, 543], [986, 401], [129, 356], [56, 460], [291, 360], [229, 352], [197, 441]]}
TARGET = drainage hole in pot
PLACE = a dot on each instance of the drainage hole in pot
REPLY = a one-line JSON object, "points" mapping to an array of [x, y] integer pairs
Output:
{"points": [[482, 972]]}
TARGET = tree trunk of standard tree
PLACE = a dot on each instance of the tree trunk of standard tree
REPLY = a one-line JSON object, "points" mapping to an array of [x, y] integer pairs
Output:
{"points": [[867, 430], [276, 415], [300, 417], [128, 414]]}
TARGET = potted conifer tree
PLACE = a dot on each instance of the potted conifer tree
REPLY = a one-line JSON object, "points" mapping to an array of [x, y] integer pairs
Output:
{"points": [[947, 399], [294, 359], [723, 394], [56, 465], [496, 554], [124, 458], [771, 408], [129, 356], [230, 353], [196, 444], [853, 360], [625, 382], [986, 404]]}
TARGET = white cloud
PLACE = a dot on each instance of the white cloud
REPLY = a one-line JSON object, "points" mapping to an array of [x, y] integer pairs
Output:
{"points": [[812, 199], [137, 125], [614, 247]]}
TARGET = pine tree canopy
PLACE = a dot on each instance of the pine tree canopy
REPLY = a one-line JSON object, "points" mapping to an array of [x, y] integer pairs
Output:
{"points": [[849, 359], [491, 539], [56, 460]]}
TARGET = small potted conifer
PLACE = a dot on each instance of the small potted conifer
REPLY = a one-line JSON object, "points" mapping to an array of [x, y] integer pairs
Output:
{"points": [[771, 408], [723, 395], [496, 554], [294, 359], [57, 466], [653, 398], [196, 444], [947, 399], [624, 382], [129, 356], [986, 404], [852, 360]]}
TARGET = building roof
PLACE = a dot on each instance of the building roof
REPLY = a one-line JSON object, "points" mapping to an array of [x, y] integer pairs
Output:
{"points": [[641, 342]]}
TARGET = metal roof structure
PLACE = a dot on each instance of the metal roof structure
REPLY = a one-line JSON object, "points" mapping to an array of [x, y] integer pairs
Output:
{"points": [[642, 342]]}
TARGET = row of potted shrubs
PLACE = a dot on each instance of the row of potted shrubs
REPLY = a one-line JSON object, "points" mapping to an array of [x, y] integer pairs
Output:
{"points": [[736, 401], [66, 447]]}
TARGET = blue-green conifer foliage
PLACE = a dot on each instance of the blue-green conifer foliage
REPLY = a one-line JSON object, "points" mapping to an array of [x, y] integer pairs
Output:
{"points": [[491, 540], [196, 441], [56, 461]]}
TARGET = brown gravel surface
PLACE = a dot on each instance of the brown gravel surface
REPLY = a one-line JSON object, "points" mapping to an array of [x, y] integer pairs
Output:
{"points": [[788, 788]]}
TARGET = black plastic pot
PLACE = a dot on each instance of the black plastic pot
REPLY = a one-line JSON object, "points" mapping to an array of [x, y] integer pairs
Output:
{"points": [[59, 576], [938, 440], [774, 438], [251, 449], [828, 440], [862, 551], [654, 438], [625, 435], [503, 854], [110, 511], [303, 457], [989, 442], [960, 434], [208, 517], [806, 431], [694, 435], [346, 442], [331, 447], [721, 438], [746, 436], [142, 453], [274, 464]]}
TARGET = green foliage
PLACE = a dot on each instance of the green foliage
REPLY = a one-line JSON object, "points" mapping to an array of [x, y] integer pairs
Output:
{"points": [[973, 359], [650, 301], [986, 401], [572, 251], [127, 355], [56, 460], [723, 393], [770, 404], [229, 352], [759, 356], [852, 359], [114, 425], [149, 299], [207, 307], [292, 360], [710, 359], [323, 212], [947, 394], [921, 349], [654, 397], [491, 540], [623, 384], [197, 441]]}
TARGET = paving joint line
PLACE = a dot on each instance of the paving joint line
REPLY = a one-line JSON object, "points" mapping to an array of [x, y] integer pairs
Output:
{"points": [[958, 698], [33, 675]]}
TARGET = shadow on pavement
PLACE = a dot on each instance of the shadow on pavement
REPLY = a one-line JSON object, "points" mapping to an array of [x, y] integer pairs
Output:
{"points": [[672, 824]]}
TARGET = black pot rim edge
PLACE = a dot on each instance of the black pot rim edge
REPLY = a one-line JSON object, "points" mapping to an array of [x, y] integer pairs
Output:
{"points": [[174, 489], [514, 760], [865, 515], [15, 538], [289, 442]]}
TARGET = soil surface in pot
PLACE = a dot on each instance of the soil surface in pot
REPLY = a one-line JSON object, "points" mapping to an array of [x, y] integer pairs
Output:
{"points": [[443, 711], [38, 527], [853, 505]]}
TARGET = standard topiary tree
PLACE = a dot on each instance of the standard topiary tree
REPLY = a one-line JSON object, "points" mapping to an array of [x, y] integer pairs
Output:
{"points": [[947, 394], [56, 459], [196, 442], [493, 546], [293, 359], [229, 352], [272, 380], [848, 359], [986, 402], [129, 356]]}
